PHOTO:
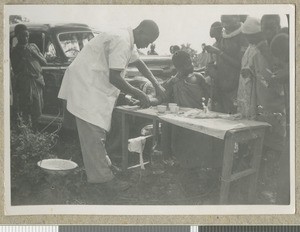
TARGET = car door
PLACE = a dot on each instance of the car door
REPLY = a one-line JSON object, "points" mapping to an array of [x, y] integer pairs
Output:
{"points": [[53, 73], [60, 50]]}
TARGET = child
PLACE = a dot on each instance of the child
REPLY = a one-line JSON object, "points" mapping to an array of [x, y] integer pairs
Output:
{"points": [[188, 89]]}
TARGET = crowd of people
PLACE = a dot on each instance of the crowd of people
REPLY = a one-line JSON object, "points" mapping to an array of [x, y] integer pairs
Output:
{"points": [[248, 75], [245, 71]]}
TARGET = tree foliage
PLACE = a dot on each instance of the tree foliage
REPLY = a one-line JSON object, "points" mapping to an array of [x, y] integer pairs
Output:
{"points": [[14, 19]]}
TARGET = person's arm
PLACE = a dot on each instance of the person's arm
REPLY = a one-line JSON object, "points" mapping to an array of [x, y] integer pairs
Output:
{"points": [[202, 82], [14, 61], [235, 63], [120, 83], [144, 70], [37, 54]]}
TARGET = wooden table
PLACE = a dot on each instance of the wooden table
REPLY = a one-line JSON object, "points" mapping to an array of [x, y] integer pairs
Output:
{"points": [[231, 131]]}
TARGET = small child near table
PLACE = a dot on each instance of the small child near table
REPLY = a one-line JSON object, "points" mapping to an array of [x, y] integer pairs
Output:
{"points": [[188, 89]]}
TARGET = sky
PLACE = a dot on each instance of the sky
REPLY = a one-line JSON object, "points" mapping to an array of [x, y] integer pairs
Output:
{"points": [[179, 24]]}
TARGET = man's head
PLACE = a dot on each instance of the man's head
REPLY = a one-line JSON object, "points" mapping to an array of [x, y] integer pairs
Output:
{"points": [[22, 34], [270, 26], [252, 30], [216, 30], [230, 22], [182, 62], [145, 33]]}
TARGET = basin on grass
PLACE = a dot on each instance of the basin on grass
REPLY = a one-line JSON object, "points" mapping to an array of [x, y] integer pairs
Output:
{"points": [[57, 166]]}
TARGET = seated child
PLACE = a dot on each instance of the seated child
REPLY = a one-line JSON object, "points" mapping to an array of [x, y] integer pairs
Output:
{"points": [[188, 89]]}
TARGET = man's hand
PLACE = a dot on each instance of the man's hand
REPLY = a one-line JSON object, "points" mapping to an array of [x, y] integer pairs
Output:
{"points": [[144, 70], [143, 98], [212, 49]]}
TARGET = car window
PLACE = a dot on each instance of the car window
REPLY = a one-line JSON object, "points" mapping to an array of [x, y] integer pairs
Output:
{"points": [[73, 42], [50, 52]]}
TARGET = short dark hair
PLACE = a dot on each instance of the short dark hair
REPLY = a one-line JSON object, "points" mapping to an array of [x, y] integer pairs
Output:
{"points": [[216, 24], [180, 57], [19, 28], [149, 25], [176, 48]]}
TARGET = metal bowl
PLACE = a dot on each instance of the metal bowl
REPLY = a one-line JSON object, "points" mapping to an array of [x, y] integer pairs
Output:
{"points": [[57, 166]]}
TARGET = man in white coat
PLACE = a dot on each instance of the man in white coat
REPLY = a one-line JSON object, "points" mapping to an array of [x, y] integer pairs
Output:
{"points": [[91, 85]]}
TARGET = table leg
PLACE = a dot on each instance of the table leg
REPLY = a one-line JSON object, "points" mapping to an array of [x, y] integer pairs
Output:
{"points": [[125, 135], [255, 164], [226, 169], [166, 140], [155, 132]]}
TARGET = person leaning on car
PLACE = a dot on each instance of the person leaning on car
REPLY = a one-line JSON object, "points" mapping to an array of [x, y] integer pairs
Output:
{"points": [[91, 85]]}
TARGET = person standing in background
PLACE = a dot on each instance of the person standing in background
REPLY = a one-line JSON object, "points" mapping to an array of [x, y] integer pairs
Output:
{"points": [[26, 60], [215, 32], [152, 50], [211, 68], [270, 26], [228, 63], [280, 50]]}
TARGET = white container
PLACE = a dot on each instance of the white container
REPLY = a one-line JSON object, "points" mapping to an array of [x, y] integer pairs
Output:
{"points": [[161, 108], [57, 166], [173, 108], [171, 105]]}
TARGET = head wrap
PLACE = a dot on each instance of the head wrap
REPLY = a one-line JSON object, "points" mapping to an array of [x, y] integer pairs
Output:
{"points": [[251, 26]]}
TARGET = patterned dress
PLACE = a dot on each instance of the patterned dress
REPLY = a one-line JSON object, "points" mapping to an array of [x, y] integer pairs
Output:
{"points": [[257, 99]]}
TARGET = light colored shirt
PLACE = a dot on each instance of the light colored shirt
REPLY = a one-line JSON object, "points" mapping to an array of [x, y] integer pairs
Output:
{"points": [[86, 87], [256, 99]]}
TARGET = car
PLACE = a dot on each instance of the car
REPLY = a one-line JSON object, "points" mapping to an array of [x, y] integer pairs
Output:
{"points": [[60, 43]]}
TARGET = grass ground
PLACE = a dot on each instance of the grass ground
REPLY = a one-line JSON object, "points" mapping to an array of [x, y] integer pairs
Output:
{"points": [[176, 186]]}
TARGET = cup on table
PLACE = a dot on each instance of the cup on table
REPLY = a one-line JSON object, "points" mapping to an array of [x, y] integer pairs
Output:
{"points": [[173, 107], [161, 108]]}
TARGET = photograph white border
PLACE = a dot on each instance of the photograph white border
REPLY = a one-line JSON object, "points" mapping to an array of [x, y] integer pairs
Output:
{"points": [[162, 209]]}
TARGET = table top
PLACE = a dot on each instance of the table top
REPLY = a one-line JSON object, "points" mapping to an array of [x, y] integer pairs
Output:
{"points": [[216, 127]]}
